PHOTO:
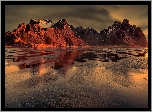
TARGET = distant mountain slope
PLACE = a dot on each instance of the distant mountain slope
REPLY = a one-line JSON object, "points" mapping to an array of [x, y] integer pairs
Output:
{"points": [[116, 34], [61, 34]]}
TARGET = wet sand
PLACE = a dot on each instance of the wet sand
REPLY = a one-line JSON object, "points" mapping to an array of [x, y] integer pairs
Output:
{"points": [[93, 78]]}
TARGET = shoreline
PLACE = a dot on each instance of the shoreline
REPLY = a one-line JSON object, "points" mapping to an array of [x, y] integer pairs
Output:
{"points": [[51, 46]]}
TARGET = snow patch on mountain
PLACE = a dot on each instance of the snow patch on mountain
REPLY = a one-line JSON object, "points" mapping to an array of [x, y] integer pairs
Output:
{"points": [[45, 23]]}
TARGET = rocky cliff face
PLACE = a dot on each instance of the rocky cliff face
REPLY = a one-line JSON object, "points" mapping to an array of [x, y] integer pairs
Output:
{"points": [[123, 34], [61, 34], [117, 34], [88, 35]]}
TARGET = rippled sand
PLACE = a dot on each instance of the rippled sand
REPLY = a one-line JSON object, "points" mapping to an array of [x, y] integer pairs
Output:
{"points": [[99, 78]]}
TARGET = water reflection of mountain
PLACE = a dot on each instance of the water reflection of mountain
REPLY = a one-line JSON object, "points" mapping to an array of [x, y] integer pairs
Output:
{"points": [[66, 58], [38, 60], [56, 60], [45, 65], [111, 73]]}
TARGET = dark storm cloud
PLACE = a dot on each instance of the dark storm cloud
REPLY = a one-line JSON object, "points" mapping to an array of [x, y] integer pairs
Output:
{"points": [[91, 13], [143, 15], [88, 13], [23, 13], [97, 17], [78, 12]]}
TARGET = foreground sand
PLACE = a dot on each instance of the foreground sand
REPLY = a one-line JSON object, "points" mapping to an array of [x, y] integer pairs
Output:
{"points": [[122, 84]]}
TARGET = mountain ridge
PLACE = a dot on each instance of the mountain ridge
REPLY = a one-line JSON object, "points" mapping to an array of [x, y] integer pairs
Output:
{"points": [[62, 34]]}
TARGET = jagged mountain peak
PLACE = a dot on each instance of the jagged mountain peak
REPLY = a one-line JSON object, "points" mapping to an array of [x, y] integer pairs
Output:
{"points": [[32, 21], [64, 34], [61, 24], [123, 33], [43, 32]]}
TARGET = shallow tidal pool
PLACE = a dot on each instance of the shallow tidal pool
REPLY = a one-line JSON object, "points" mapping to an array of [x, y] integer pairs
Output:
{"points": [[76, 78]]}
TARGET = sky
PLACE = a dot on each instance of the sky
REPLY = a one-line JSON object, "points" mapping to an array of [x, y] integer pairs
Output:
{"points": [[98, 17]]}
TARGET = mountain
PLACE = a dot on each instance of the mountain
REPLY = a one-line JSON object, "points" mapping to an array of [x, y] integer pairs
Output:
{"points": [[116, 34], [123, 34], [61, 34]]}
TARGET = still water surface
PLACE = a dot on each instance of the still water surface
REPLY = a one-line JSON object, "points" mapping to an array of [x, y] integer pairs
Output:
{"points": [[74, 78]]}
